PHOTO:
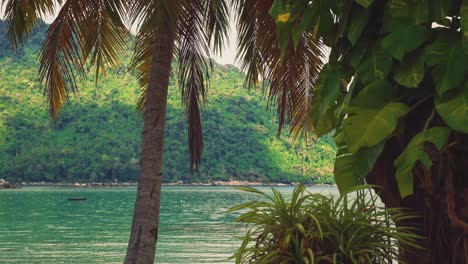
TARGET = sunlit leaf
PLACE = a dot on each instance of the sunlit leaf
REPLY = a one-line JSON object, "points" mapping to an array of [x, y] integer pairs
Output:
{"points": [[368, 127]]}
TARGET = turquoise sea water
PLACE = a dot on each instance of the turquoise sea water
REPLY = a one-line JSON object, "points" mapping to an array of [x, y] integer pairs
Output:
{"points": [[40, 225]]}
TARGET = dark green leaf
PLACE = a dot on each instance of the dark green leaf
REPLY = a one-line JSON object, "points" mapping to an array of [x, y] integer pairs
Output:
{"points": [[447, 55], [436, 52], [417, 12], [365, 3], [410, 72], [440, 9], [324, 104], [359, 18], [453, 73], [400, 42], [351, 169], [464, 24], [453, 108], [415, 152], [375, 65], [374, 95]]}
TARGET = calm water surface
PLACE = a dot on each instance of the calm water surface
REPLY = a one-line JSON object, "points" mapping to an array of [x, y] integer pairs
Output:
{"points": [[40, 225]]}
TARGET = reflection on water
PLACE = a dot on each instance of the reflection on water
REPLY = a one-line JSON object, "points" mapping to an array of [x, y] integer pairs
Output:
{"points": [[40, 225]]}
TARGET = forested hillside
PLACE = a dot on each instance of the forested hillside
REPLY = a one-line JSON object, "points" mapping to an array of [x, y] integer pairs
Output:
{"points": [[97, 135]]}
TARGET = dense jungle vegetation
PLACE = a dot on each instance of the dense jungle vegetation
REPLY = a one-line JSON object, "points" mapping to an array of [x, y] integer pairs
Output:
{"points": [[97, 136]]}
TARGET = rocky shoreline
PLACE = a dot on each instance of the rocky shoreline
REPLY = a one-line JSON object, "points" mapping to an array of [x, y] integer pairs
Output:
{"points": [[179, 183]]}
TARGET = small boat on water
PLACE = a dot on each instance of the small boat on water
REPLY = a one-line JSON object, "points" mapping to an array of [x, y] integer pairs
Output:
{"points": [[77, 199]]}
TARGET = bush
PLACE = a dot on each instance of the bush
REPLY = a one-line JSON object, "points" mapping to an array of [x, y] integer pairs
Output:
{"points": [[312, 228]]}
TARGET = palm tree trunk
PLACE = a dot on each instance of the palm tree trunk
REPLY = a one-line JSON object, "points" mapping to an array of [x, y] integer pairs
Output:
{"points": [[144, 234]]}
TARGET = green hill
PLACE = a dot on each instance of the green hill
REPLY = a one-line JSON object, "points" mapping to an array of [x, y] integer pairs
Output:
{"points": [[97, 136]]}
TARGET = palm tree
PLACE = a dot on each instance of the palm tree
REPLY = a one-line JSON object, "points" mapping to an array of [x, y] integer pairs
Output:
{"points": [[93, 32], [287, 78]]}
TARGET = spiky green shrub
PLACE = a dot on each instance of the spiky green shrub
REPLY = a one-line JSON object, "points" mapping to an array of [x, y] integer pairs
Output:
{"points": [[313, 228]]}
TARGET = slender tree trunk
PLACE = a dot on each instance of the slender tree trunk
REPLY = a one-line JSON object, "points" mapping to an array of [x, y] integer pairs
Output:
{"points": [[144, 234]]}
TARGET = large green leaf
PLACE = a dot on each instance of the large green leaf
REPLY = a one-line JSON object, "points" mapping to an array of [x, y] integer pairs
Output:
{"points": [[375, 95], [365, 3], [440, 9], [450, 61], [375, 65], [358, 21], [464, 24], [436, 52], [324, 103], [351, 168], [416, 12], [368, 127], [415, 152], [401, 41], [451, 74], [453, 108], [410, 72]]}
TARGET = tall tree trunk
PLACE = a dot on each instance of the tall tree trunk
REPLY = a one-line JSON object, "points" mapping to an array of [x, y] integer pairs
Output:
{"points": [[144, 234], [440, 195]]}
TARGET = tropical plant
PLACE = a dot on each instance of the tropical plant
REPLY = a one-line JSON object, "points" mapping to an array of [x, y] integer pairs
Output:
{"points": [[313, 228], [394, 91], [92, 32]]}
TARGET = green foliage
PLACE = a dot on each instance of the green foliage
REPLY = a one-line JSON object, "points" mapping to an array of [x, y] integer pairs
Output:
{"points": [[312, 228], [415, 152], [326, 92], [97, 136], [352, 168], [453, 107], [399, 59]]}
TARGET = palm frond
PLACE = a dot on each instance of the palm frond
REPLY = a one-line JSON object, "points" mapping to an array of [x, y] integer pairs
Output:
{"points": [[287, 81], [83, 30], [22, 15], [105, 36], [193, 73], [217, 23], [60, 62]]}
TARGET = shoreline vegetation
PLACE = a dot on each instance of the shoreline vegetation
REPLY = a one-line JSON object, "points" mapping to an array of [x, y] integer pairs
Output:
{"points": [[128, 184]]}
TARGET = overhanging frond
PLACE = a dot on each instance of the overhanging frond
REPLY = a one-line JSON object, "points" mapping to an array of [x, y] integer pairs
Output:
{"points": [[287, 81], [22, 15], [193, 73], [105, 36], [60, 62], [217, 23], [83, 30]]}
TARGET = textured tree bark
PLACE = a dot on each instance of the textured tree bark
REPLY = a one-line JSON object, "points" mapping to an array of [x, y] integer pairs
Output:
{"points": [[440, 194], [144, 233]]}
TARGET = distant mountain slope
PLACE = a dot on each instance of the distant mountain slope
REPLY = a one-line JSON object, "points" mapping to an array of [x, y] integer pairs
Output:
{"points": [[97, 136]]}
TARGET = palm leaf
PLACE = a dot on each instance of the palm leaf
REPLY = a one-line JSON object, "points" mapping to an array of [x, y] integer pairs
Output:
{"points": [[83, 30], [22, 15], [288, 80]]}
